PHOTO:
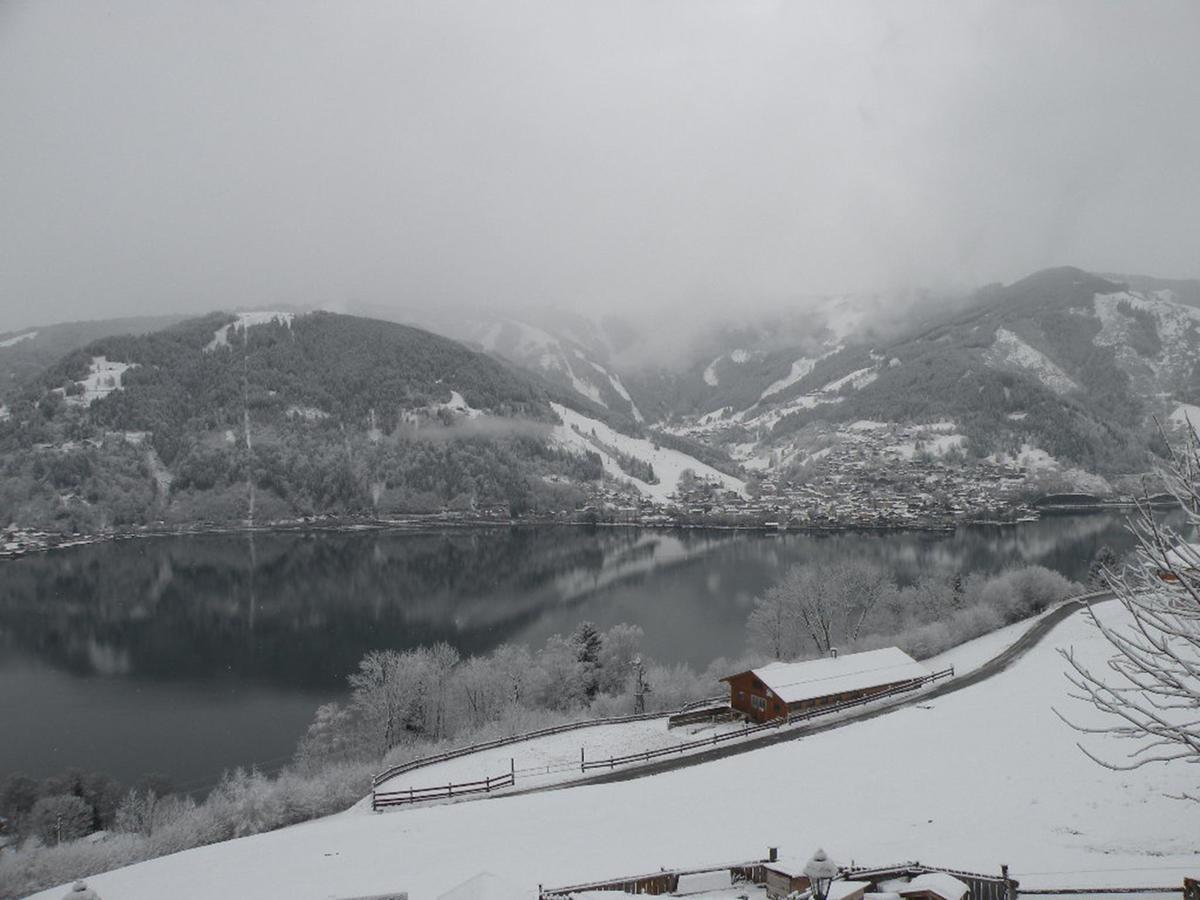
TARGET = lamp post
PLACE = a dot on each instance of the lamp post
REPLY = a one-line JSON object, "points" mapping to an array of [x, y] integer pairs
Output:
{"points": [[820, 871]]}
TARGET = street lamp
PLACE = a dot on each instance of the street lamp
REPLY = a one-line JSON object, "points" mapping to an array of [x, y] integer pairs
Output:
{"points": [[821, 870]]}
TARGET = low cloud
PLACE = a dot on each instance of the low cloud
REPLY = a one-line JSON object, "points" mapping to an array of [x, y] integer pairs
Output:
{"points": [[665, 161]]}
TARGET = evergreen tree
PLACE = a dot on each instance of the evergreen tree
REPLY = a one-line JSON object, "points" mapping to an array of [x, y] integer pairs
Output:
{"points": [[1104, 559], [588, 643]]}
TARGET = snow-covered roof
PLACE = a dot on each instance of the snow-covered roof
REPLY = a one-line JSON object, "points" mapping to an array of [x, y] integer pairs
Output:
{"points": [[791, 866], [1183, 556], [945, 886], [841, 890], [797, 681]]}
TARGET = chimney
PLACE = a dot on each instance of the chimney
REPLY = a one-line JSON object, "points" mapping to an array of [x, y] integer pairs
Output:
{"points": [[772, 854]]}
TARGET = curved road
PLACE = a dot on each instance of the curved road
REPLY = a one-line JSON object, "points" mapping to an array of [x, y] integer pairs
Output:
{"points": [[993, 666]]}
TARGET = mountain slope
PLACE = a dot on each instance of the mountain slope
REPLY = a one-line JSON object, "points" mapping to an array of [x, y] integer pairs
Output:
{"points": [[269, 416], [1063, 365], [26, 353]]}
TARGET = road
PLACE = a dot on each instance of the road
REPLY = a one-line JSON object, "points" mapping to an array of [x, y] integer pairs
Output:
{"points": [[994, 666]]}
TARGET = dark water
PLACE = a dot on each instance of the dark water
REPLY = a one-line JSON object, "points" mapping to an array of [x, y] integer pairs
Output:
{"points": [[189, 655]]}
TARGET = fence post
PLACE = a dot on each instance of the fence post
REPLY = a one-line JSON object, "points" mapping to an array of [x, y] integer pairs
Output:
{"points": [[450, 790], [512, 770], [410, 796], [582, 767]]}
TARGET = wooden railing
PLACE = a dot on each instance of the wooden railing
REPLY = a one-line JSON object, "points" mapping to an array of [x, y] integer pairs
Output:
{"points": [[505, 741], [401, 768], [409, 766], [647, 755], [381, 799]]}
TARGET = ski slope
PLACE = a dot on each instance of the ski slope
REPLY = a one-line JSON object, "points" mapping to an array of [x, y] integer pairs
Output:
{"points": [[972, 779], [668, 464]]}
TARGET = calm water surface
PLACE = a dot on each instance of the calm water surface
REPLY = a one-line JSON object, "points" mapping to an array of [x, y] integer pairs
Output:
{"points": [[189, 655]]}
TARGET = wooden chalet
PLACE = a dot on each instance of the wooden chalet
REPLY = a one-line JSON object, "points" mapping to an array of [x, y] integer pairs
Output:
{"points": [[779, 689], [785, 876], [1185, 559]]}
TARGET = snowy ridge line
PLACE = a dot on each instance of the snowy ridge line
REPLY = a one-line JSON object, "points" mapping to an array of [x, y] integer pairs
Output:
{"points": [[424, 761], [648, 755]]}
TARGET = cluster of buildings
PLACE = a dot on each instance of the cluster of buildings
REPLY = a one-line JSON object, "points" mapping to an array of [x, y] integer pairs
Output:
{"points": [[849, 489]]}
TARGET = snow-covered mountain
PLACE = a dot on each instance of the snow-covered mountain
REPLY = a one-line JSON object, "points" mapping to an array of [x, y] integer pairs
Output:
{"points": [[1062, 369]]}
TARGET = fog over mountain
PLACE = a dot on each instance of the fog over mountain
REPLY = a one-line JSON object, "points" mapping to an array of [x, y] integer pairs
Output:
{"points": [[644, 159]]}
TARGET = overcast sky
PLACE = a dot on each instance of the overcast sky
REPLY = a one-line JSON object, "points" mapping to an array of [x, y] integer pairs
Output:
{"points": [[183, 156]]}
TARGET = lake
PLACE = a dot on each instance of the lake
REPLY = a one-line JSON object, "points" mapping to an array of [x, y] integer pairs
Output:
{"points": [[189, 655]]}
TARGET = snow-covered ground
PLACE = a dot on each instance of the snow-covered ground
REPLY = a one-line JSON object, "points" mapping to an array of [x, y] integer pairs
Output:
{"points": [[983, 776], [555, 758], [1035, 458], [244, 321], [668, 464], [103, 377], [856, 380], [1009, 349], [1184, 413]]}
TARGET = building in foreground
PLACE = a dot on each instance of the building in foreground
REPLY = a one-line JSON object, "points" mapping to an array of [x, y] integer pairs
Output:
{"points": [[779, 689]]}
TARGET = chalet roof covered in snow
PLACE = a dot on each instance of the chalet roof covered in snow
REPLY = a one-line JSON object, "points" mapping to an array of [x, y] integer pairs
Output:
{"points": [[939, 883], [1184, 556], [797, 681]]}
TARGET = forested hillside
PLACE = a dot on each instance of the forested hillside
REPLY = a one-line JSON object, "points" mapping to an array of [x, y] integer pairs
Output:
{"points": [[270, 416], [26, 353], [1063, 360]]}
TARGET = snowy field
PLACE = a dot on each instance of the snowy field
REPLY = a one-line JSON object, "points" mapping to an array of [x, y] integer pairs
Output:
{"points": [[555, 758], [970, 780], [668, 464], [969, 656]]}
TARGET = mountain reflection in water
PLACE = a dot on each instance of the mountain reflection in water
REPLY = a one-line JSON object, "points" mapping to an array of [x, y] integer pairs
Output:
{"points": [[190, 654]]}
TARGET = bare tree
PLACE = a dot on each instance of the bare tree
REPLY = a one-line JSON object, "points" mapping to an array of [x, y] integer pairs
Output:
{"points": [[824, 602], [1150, 686]]}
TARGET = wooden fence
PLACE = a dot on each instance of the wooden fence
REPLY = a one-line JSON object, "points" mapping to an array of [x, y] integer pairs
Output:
{"points": [[983, 887], [648, 755], [663, 881], [381, 799], [409, 766], [401, 768]]}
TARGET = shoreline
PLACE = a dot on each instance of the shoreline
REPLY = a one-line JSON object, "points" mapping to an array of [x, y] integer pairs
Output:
{"points": [[44, 542]]}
